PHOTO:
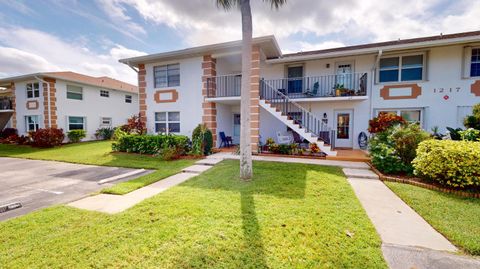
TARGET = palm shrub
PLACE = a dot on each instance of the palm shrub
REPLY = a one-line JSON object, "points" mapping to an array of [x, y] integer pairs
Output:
{"points": [[202, 140], [75, 136], [105, 133]]}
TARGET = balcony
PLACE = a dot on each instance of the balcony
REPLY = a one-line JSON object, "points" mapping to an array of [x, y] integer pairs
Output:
{"points": [[6, 104], [331, 86]]}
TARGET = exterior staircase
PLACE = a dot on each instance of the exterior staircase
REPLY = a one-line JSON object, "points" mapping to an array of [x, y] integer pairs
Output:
{"points": [[300, 120], [6, 111]]}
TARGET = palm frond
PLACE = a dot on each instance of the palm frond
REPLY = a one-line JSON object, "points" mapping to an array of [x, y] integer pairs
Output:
{"points": [[228, 4], [276, 3]]}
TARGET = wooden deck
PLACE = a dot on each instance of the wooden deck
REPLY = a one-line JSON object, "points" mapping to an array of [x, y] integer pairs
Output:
{"points": [[354, 155]]}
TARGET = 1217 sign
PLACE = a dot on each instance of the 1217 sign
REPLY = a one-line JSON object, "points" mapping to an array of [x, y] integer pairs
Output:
{"points": [[446, 90]]}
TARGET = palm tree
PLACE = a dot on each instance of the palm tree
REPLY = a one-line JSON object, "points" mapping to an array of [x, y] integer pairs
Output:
{"points": [[246, 169]]}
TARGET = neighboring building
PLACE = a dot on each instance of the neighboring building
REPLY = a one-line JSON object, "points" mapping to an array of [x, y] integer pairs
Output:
{"points": [[68, 101], [327, 94]]}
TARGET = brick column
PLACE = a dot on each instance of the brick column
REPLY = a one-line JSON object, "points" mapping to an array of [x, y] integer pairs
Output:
{"points": [[254, 99], [142, 93], [209, 117], [53, 103], [14, 106]]}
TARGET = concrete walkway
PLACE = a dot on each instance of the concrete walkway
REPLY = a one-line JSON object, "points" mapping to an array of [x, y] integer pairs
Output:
{"points": [[112, 204]]}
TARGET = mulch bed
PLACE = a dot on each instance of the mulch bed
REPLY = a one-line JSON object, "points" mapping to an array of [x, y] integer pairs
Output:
{"points": [[421, 183]]}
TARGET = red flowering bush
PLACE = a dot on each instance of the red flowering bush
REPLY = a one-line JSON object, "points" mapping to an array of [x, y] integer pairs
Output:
{"points": [[314, 148], [134, 125], [15, 139], [47, 138], [8, 132], [383, 122]]}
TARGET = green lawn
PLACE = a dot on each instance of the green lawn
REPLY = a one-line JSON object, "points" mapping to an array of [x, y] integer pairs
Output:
{"points": [[99, 153], [289, 216], [455, 217]]}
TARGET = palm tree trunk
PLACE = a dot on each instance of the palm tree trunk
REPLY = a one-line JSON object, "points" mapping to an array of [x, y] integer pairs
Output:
{"points": [[246, 170]]}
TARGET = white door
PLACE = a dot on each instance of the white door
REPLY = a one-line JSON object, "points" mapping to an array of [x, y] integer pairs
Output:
{"points": [[236, 129], [344, 128], [344, 75]]}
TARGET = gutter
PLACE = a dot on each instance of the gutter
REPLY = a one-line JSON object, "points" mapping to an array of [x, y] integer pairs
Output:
{"points": [[48, 101], [372, 83]]}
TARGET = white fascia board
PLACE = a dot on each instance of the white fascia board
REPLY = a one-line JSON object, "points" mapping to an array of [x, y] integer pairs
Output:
{"points": [[374, 50]]}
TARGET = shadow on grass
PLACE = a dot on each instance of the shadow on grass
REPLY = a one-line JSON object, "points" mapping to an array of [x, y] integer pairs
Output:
{"points": [[271, 179]]}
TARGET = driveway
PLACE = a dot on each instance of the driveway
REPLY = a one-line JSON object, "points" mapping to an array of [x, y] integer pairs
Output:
{"points": [[38, 184]]}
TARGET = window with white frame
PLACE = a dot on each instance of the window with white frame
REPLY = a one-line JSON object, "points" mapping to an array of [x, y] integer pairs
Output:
{"points": [[401, 68], [74, 92], [32, 123], [104, 93], [167, 122], [410, 115], [475, 63], [166, 75], [33, 90], [128, 99], [76, 123], [105, 121]]}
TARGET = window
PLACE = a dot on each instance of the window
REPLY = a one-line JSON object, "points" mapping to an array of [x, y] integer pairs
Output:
{"points": [[105, 122], [401, 68], [74, 92], [76, 123], [128, 99], [104, 93], [166, 75], [167, 122], [475, 63], [33, 90], [410, 115], [32, 123]]}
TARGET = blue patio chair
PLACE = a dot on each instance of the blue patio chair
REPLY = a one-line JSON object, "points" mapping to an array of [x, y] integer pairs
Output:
{"points": [[227, 141], [314, 92]]}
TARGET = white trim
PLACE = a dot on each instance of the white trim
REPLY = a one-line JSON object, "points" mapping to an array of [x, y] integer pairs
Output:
{"points": [[68, 122]]}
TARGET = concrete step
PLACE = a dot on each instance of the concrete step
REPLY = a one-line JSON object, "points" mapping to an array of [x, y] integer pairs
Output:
{"points": [[359, 173], [196, 169], [210, 162]]}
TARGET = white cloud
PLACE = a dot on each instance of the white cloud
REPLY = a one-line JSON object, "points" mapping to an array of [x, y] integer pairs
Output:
{"points": [[15, 62], [116, 12], [350, 21], [28, 51]]}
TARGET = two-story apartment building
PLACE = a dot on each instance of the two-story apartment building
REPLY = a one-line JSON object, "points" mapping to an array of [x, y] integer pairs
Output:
{"points": [[66, 100], [326, 96]]}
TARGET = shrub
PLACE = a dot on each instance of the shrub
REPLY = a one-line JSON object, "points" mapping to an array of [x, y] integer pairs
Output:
{"points": [[473, 121], [383, 122], [450, 163], [105, 133], [134, 125], [76, 136], [470, 134], [150, 144], [47, 138], [269, 141], [202, 140], [171, 153], [406, 139], [454, 133], [314, 148], [8, 132], [394, 149], [273, 147]]}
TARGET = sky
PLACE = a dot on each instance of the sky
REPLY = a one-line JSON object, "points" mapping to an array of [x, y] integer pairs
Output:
{"points": [[90, 36]]}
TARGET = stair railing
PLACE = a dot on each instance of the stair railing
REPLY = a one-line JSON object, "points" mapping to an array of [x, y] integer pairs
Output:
{"points": [[296, 112]]}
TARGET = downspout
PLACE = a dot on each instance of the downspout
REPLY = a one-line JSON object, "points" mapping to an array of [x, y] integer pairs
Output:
{"points": [[374, 68], [48, 101]]}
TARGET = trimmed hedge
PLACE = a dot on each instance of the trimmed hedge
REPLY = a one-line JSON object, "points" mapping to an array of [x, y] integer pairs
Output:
{"points": [[47, 138], [450, 163], [150, 144], [76, 136]]}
